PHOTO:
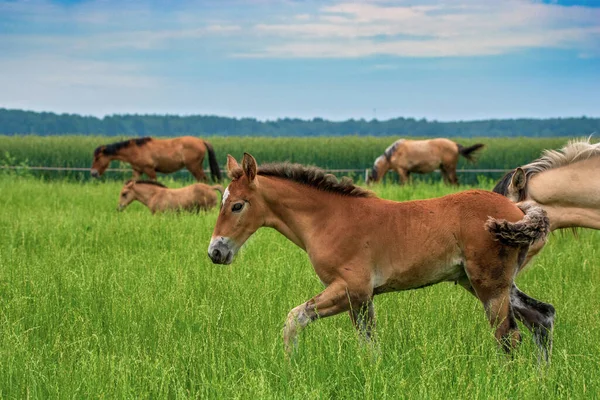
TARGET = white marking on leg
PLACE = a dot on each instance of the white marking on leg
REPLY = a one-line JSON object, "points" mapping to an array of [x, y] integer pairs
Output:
{"points": [[297, 319]]}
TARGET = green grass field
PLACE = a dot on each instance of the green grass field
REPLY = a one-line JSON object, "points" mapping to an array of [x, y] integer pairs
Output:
{"points": [[100, 304]]}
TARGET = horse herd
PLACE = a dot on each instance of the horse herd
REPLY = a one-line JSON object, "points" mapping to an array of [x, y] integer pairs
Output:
{"points": [[149, 156], [361, 245]]}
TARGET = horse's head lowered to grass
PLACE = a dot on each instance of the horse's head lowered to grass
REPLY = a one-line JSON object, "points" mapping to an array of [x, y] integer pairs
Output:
{"points": [[379, 169], [104, 154], [100, 163]]}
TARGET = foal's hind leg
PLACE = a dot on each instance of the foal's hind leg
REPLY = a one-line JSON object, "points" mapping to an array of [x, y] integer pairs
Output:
{"points": [[363, 318], [537, 316], [500, 314], [494, 292]]}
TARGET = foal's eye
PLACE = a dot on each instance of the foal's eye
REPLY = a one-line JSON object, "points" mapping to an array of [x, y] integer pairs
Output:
{"points": [[124, 194], [237, 207]]}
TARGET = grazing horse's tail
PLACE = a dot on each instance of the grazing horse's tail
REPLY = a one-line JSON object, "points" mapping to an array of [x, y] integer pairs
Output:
{"points": [[466, 151], [534, 226], [218, 188], [215, 171]]}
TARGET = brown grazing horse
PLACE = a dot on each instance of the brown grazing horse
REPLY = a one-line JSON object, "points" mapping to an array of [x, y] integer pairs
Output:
{"points": [[421, 157], [361, 246], [158, 197], [149, 156]]}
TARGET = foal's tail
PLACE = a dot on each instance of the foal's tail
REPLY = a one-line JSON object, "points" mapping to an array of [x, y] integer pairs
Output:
{"points": [[466, 151], [534, 226], [218, 188], [215, 171]]}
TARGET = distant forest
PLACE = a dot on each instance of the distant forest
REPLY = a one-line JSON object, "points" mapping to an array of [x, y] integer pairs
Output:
{"points": [[18, 122]]}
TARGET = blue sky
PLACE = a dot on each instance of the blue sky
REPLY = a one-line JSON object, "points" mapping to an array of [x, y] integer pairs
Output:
{"points": [[451, 60]]}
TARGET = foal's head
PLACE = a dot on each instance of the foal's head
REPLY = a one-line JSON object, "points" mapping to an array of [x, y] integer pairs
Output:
{"points": [[127, 195], [242, 211]]}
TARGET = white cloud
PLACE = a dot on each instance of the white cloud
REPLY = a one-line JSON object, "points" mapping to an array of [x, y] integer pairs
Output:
{"points": [[89, 57], [471, 28], [341, 29]]}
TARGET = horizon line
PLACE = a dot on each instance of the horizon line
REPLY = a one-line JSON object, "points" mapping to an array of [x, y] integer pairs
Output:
{"points": [[267, 120]]}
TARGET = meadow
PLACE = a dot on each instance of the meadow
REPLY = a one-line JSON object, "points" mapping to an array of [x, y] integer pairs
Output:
{"points": [[100, 304]]}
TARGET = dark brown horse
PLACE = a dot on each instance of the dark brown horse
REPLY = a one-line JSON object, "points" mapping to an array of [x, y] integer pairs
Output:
{"points": [[422, 157], [149, 156], [361, 246]]}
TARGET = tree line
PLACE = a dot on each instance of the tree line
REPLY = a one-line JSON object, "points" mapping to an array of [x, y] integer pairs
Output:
{"points": [[19, 122]]}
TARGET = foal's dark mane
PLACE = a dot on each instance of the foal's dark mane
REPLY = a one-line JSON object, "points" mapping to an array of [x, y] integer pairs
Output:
{"points": [[113, 148], [314, 177], [146, 182]]}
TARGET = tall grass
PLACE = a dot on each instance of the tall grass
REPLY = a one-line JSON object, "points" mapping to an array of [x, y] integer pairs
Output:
{"points": [[95, 303]]}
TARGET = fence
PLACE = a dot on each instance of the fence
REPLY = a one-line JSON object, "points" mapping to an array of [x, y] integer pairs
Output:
{"points": [[356, 171]]}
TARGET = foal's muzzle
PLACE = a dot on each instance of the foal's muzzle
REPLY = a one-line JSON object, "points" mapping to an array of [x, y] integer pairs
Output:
{"points": [[95, 173], [221, 250]]}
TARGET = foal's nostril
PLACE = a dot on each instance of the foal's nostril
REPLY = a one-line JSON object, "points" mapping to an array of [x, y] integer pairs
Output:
{"points": [[216, 254]]}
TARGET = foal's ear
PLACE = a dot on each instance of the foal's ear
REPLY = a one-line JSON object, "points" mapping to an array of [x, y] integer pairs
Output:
{"points": [[234, 170], [249, 167], [518, 179]]}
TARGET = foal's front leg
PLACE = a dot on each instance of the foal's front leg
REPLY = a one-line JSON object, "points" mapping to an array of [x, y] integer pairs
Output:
{"points": [[333, 300]]}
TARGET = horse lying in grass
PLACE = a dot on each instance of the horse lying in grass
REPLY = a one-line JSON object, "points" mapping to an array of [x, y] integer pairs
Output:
{"points": [[422, 157], [361, 246], [158, 197], [149, 156], [565, 183]]}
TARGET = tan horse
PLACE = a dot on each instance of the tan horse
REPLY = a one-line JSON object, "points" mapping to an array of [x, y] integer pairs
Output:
{"points": [[149, 156], [565, 183], [421, 157], [361, 246], [158, 197]]}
